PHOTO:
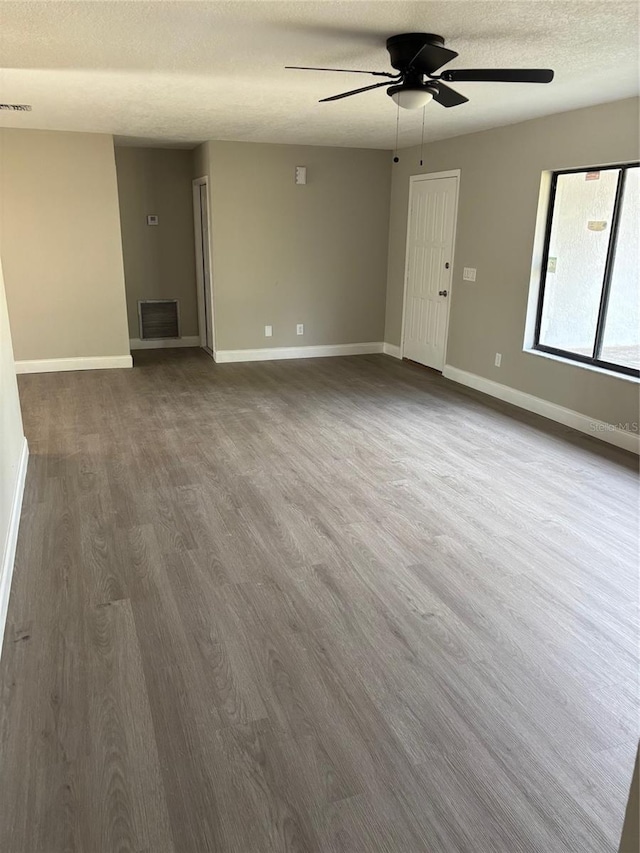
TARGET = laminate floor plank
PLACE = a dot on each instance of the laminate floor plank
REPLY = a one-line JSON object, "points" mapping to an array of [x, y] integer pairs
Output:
{"points": [[326, 606], [124, 771]]}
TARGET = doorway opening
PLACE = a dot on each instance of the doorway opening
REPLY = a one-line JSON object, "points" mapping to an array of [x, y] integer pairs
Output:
{"points": [[203, 264]]}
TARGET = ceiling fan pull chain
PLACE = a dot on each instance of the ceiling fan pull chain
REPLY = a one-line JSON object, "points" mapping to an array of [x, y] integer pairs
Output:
{"points": [[396, 159], [422, 138]]}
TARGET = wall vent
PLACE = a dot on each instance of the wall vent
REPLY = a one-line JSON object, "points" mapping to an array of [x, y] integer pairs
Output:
{"points": [[159, 318]]}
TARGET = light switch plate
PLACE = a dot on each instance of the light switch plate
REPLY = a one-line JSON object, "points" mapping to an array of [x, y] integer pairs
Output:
{"points": [[268, 331], [469, 274]]}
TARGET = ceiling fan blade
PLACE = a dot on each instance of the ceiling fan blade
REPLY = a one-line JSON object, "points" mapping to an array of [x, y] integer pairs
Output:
{"points": [[343, 70], [352, 92], [498, 75], [430, 57], [448, 97]]}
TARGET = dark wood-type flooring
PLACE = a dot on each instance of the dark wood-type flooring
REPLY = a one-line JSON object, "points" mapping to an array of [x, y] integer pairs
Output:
{"points": [[337, 605]]}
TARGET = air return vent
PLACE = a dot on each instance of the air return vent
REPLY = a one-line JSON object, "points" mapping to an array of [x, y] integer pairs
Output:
{"points": [[16, 108], [159, 318]]}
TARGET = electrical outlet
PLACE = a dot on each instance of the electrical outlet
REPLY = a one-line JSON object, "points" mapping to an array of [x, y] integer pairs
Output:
{"points": [[498, 360], [469, 274], [300, 329], [268, 331]]}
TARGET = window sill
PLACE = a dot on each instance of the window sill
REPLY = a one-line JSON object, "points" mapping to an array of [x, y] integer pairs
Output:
{"points": [[592, 367]]}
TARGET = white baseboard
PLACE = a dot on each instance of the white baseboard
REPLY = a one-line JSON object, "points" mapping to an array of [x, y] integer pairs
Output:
{"points": [[275, 353], [9, 553], [568, 417], [391, 349], [55, 365], [165, 343]]}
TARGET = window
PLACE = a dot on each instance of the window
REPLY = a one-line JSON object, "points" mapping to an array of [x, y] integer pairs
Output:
{"points": [[589, 302]]}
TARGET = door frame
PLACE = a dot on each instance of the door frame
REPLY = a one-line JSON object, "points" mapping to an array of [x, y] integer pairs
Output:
{"points": [[197, 227], [413, 179]]}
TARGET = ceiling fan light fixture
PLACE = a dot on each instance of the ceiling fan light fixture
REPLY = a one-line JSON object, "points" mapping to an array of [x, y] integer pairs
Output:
{"points": [[411, 98]]}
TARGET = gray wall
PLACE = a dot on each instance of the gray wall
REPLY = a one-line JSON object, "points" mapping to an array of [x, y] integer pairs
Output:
{"points": [[60, 244], [200, 161], [499, 190], [284, 254], [159, 261]]}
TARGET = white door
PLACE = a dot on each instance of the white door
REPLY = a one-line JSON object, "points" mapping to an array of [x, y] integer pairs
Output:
{"points": [[203, 263], [430, 235]]}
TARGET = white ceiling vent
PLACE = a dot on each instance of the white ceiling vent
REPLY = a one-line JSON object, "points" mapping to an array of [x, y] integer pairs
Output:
{"points": [[17, 108], [159, 318]]}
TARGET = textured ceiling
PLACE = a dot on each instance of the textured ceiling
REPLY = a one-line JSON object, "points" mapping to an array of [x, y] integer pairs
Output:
{"points": [[181, 72]]}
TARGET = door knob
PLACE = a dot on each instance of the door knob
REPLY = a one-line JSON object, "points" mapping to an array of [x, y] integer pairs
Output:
{"points": [[442, 292]]}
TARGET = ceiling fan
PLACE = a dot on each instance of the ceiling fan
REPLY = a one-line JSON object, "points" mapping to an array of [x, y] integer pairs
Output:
{"points": [[416, 57]]}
